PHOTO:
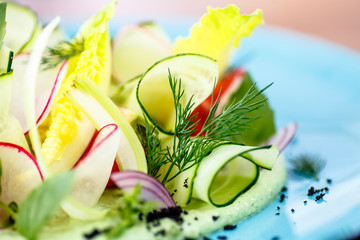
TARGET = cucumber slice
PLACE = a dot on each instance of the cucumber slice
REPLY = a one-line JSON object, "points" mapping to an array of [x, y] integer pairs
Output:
{"points": [[22, 27], [229, 171], [198, 74], [6, 58]]}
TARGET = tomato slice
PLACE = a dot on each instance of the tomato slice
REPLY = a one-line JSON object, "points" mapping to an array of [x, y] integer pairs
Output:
{"points": [[223, 91]]}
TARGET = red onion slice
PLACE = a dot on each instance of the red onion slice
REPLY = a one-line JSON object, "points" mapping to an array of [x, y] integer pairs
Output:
{"points": [[282, 137], [151, 188]]}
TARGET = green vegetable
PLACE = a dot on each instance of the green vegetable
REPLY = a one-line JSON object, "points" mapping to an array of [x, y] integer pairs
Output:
{"points": [[63, 51], [2, 22], [41, 204], [261, 120], [127, 212]]}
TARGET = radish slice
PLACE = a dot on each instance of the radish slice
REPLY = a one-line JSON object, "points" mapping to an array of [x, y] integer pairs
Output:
{"points": [[20, 174], [47, 85], [283, 137], [151, 188], [92, 174]]}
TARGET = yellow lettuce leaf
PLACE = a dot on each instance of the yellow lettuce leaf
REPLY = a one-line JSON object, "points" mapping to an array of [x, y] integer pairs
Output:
{"points": [[218, 32], [93, 63]]}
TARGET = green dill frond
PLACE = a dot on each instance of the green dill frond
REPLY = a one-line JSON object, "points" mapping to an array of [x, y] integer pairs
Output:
{"points": [[188, 149], [307, 165], [63, 51]]}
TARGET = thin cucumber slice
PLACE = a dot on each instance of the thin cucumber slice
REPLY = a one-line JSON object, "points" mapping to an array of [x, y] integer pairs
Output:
{"points": [[6, 58], [229, 171], [181, 187], [22, 27], [198, 74]]}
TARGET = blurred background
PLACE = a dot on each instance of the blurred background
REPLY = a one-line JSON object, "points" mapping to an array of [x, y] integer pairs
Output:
{"points": [[336, 21]]}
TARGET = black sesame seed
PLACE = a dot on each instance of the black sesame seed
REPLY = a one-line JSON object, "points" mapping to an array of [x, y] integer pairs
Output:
{"points": [[195, 218], [275, 238], [282, 197], [329, 181], [215, 218], [222, 237], [319, 197], [229, 227], [160, 233], [292, 210], [278, 208], [205, 238], [305, 202], [93, 234], [284, 189], [277, 214]]}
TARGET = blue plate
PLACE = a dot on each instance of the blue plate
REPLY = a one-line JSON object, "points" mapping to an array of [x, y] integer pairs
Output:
{"points": [[316, 85]]}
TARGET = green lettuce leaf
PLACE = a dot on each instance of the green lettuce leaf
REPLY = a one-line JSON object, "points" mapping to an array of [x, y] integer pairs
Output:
{"points": [[263, 126]]}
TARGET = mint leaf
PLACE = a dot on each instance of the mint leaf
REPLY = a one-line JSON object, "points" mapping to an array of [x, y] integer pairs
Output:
{"points": [[261, 128], [2, 22], [41, 203]]}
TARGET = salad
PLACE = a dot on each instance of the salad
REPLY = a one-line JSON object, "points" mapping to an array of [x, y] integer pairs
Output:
{"points": [[131, 136]]}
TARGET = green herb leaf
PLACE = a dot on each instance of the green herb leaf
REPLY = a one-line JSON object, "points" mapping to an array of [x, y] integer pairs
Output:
{"points": [[41, 203], [2, 22], [188, 150], [262, 118], [307, 165], [63, 51], [129, 208]]}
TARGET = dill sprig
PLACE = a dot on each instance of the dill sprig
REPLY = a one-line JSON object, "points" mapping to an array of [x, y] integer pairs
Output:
{"points": [[307, 165], [186, 149], [61, 52]]}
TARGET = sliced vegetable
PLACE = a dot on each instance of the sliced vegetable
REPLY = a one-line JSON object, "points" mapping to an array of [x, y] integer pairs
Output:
{"points": [[197, 74], [136, 47], [282, 137], [151, 188], [31, 72], [20, 174], [48, 83], [229, 171], [101, 110], [93, 62], [217, 33], [93, 170], [22, 27]]}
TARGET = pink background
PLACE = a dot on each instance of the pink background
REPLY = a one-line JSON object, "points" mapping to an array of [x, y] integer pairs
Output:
{"points": [[334, 20]]}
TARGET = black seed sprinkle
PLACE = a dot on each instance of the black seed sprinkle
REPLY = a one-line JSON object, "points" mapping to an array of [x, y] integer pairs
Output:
{"points": [[282, 197], [195, 218], [277, 214], [222, 237], [305, 202], [319, 197], [160, 233], [186, 183], [175, 190], [229, 227], [275, 238], [214, 218], [93, 234], [284, 189], [292, 210], [278, 208], [329, 181], [185, 212], [173, 213], [205, 238]]}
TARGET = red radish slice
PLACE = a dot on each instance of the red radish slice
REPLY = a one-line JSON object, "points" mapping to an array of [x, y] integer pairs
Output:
{"points": [[151, 188], [47, 85], [93, 170], [20, 174], [283, 137], [229, 84]]}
